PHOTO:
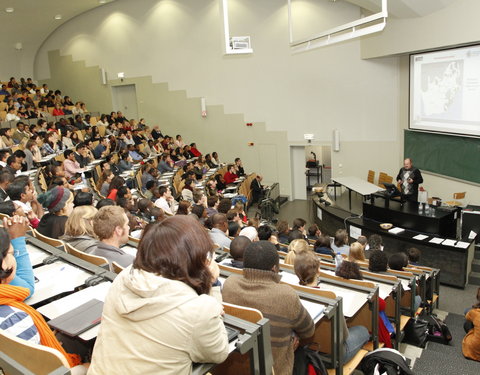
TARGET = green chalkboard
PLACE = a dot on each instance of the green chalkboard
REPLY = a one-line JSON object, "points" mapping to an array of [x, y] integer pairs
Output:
{"points": [[448, 155]]}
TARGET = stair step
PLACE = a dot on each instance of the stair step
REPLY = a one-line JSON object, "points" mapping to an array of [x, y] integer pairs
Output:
{"points": [[476, 265], [476, 254], [474, 278]]}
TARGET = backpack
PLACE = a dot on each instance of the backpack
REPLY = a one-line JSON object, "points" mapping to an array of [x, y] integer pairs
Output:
{"points": [[437, 330], [385, 361], [308, 362]]}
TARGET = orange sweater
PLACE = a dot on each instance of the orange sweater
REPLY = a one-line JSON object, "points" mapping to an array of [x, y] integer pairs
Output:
{"points": [[471, 342]]}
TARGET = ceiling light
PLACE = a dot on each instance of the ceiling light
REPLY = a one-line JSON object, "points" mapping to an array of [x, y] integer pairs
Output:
{"points": [[102, 1], [9, 10], [58, 17]]}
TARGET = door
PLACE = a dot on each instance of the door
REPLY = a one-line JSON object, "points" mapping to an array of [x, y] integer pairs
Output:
{"points": [[125, 100]]}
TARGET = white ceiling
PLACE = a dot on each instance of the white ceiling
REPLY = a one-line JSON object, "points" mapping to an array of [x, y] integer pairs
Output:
{"points": [[40, 19]]}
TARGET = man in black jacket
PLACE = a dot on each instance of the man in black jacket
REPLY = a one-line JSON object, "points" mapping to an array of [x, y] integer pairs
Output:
{"points": [[409, 178]]}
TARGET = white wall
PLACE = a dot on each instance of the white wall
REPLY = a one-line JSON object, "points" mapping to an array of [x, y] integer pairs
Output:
{"points": [[180, 42]]}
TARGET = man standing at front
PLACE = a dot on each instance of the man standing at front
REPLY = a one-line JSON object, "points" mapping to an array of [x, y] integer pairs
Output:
{"points": [[259, 288], [409, 178]]}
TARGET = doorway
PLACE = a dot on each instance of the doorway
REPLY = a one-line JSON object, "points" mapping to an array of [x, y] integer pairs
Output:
{"points": [[124, 99]]}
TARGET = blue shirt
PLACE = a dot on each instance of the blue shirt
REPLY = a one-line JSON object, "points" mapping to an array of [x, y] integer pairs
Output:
{"points": [[24, 275], [99, 150]]}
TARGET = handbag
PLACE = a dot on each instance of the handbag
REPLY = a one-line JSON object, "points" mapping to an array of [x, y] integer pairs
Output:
{"points": [[416, 332]]}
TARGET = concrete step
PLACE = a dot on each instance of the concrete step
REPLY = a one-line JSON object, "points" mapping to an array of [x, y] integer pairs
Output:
{"points": [[476, 254], [474, 278], [476, 265]]}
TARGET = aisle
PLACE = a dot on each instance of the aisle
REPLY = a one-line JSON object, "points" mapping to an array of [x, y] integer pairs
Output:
{"points": [[447, 359]]}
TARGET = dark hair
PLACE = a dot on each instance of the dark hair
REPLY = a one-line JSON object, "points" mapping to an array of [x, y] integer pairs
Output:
{"points": [[295, 234], [6, 176], [169, 250], [122, 191], [282, 227], [83, 199], [116, 183], [143, 205], [212, 200], [224, 205], [378, 261], [261, 255], [183, 208], [375, 242], [413, 253], [218, 219], [264, 232], [233, 228], [162, 190], [19, 154], [298, 223], [198, 210], [4, 246], [105, 202], [349, 270], [323, 241], [11, 159], [312, 230], [7, 208], [150, 184], [306, 266], [238, 246], [17, 188], [67, 153], [188, 184], [397, 261]]}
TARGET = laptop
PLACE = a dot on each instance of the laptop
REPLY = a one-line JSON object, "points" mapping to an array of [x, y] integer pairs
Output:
{"points": [[80, 319]]}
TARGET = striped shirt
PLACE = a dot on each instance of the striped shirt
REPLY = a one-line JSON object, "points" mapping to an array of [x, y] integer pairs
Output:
{"points": [[18, 323]]}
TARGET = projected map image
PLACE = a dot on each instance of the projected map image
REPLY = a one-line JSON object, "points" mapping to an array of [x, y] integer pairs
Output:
{"points": [[441, 85]]}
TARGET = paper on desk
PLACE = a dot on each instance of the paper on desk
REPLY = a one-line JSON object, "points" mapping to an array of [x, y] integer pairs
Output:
{"points": [[396, 230], [462, 245], [36, 255], [436, 240], [290, 278], [314, 309], [355, 232], [130, 250], [420, 237], [472, 235], [449, 242]]}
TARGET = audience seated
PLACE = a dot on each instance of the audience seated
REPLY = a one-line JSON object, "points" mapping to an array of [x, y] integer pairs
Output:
{"points": [[356, 252], [22, 193], [283, 229], [166, 201], [374, 243], [111, 227], [230, 177], [413, 256], [16, 317], [218, 233], [323, 246], [340, 242], [237, 249], [6, 179], [471, 342], [313, 232], [59, 203], [79, 231], [184, 208], [296, 247], [306, 267], [378, 261], [348, 270], [150, 306], [259, 288]]}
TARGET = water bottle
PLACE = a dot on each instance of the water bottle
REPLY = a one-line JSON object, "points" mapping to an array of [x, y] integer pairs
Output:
{"points": [[338, 260], [427, 209], [420, 208], [84, 180]]}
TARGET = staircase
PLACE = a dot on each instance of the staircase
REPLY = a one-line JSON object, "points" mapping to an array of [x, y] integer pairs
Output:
{"points": [[474, 277]]}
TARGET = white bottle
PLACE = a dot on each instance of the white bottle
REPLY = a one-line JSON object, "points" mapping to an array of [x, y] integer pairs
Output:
{"points": [[84, 180]]}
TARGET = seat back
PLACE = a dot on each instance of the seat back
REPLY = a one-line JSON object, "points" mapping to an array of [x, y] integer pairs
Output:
{"points": [[371, 176], [51, 241], [117, 268], [39, 359], [242, 312], [90, 258], [382, 178]]}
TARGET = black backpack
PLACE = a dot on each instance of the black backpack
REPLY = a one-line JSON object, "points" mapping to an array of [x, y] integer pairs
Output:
{"points": [[305, 357], [385, 361], [437, 330]]}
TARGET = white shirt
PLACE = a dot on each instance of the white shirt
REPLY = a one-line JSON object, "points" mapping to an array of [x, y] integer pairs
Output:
{"points": [[12, 117], [27, 207], [164, 205]]}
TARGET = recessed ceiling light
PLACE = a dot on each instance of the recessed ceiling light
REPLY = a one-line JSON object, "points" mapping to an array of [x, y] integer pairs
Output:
{"points": [[102, 1], [58, 17], [9, 10]]}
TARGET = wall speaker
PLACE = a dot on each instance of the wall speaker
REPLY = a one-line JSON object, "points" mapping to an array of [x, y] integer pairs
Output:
{"points": [[103, 76], [336, 140]]}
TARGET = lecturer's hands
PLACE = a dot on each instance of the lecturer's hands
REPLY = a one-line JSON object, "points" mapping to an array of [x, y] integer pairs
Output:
{"points": [[410, 181]]}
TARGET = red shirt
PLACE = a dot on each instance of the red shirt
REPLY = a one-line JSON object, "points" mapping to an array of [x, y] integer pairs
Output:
{"points": [[229, 177], [195, 152]]}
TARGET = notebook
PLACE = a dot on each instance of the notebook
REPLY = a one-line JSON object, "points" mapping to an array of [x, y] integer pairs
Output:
{"points": [[80, 319]]}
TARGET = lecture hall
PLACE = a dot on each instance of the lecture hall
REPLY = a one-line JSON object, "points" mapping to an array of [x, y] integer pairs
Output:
{"points": [[239, 187]]}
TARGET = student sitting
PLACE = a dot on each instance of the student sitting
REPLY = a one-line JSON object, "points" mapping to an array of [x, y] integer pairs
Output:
{"points": [[313, 232], [259, 288], [295, 248], [340, 242], [79, 231], [323, 246], [397, 262], [356, 253], [111, 227], [413, 256], [471, 342], [349, 270], [163, 305], [306, 268], [59, 202], [237, 249], [16, 317]]}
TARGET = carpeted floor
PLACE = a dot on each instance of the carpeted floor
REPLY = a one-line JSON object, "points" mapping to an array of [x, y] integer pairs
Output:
{"points": [[447, 359]]}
